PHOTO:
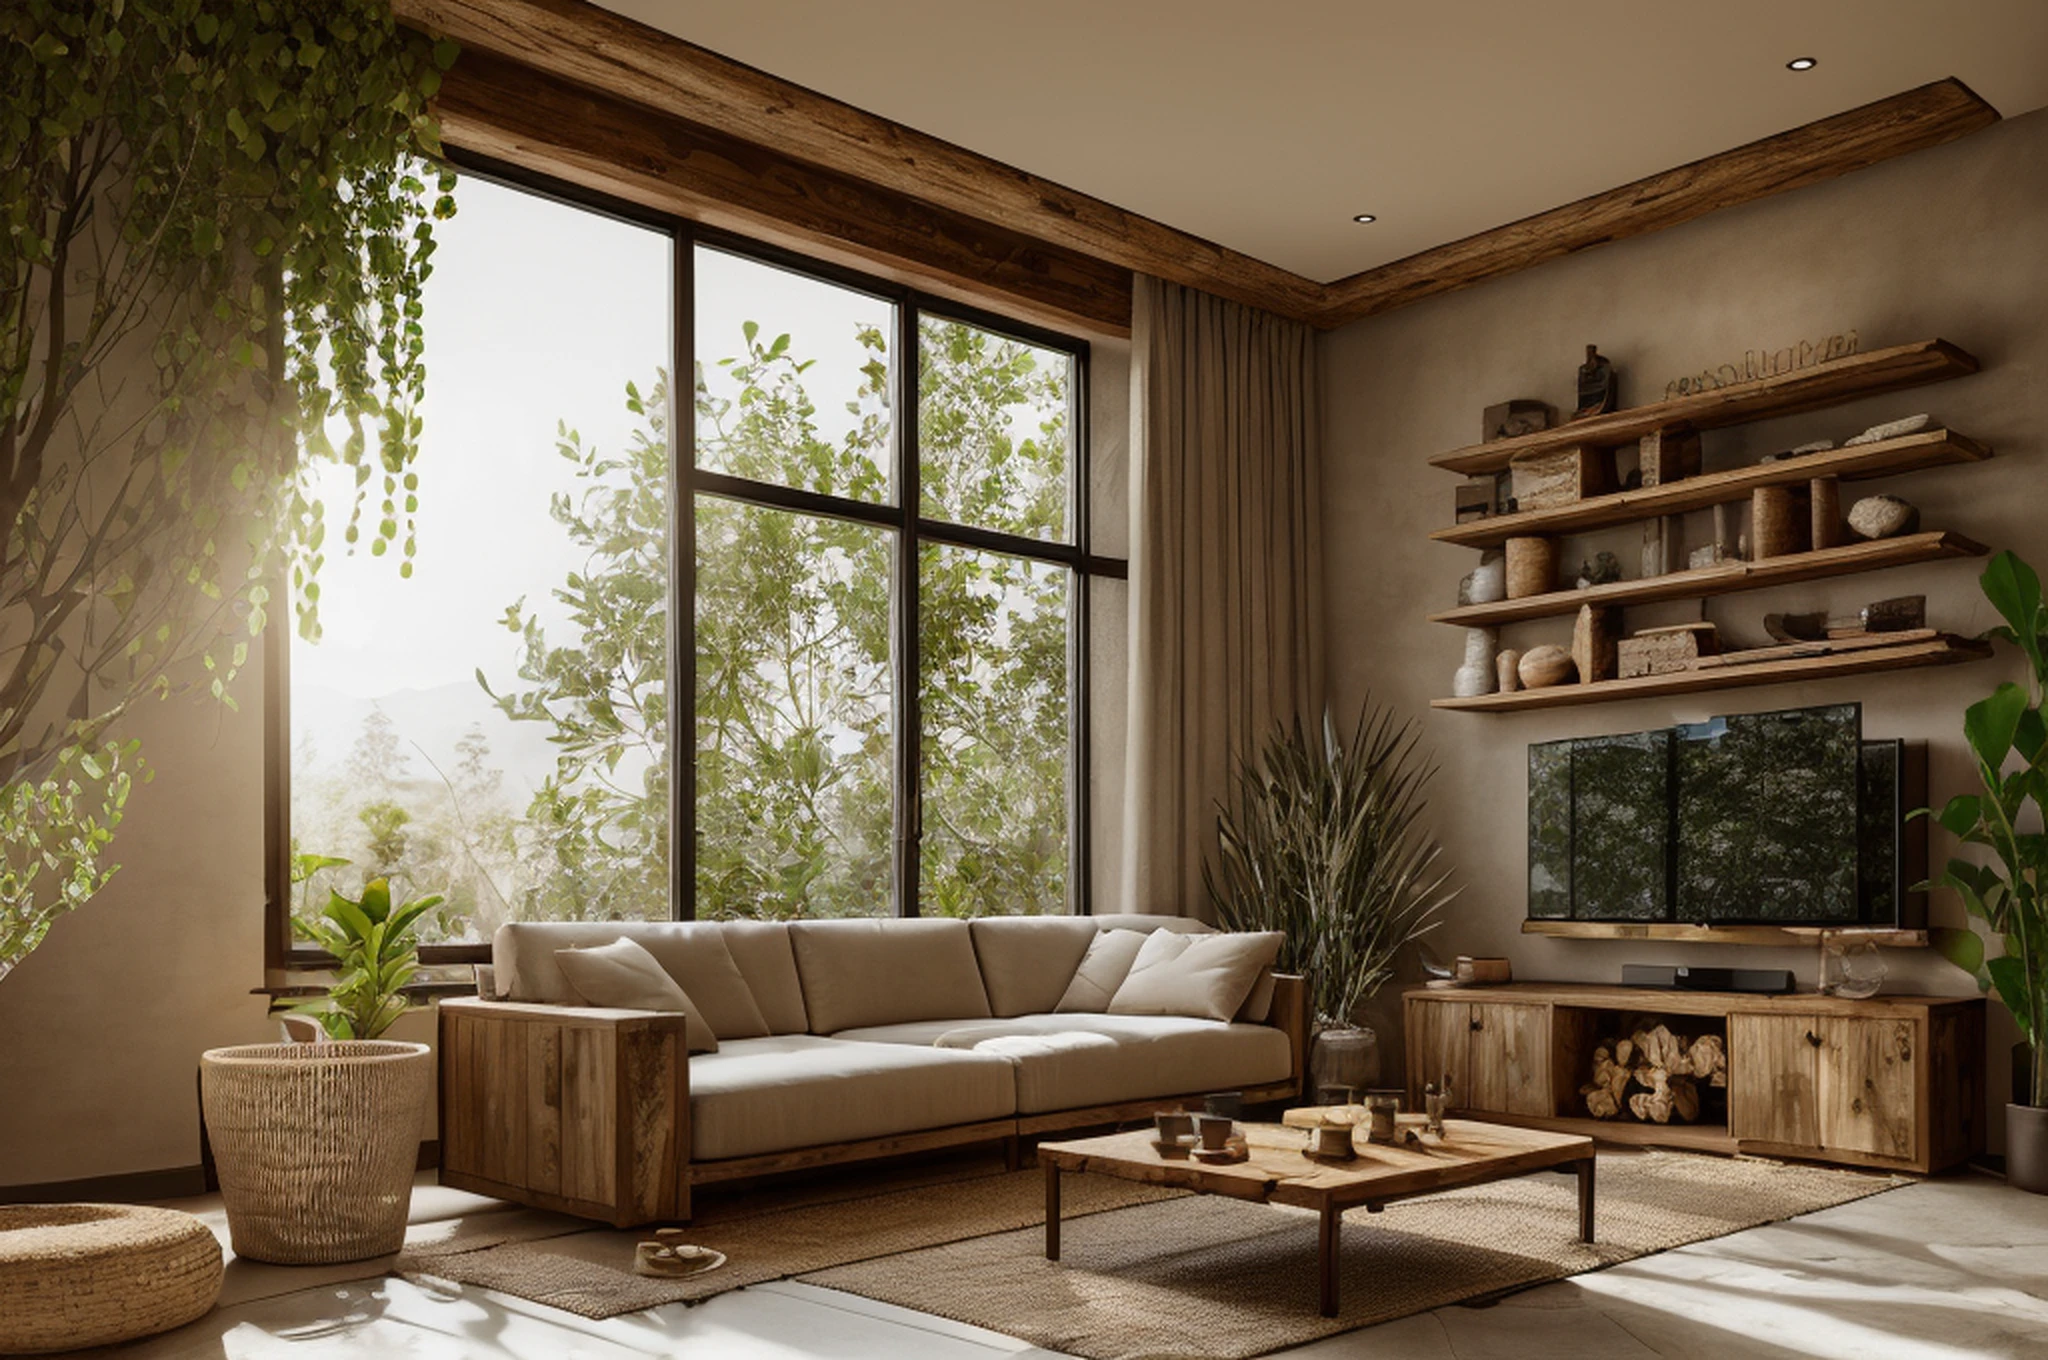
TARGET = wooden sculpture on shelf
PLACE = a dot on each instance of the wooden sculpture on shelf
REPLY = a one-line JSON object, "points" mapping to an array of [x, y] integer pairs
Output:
{"points": [[1599, 386]]}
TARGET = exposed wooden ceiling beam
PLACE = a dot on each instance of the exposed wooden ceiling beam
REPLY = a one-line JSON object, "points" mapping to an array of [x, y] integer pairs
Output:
{"points": [[592, 47], [510, 112], [1927, 116], [769, 133]]}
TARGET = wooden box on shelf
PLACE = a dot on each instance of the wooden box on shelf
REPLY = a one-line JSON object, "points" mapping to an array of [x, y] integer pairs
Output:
{"points": [[1894, 1081], [1562, 476]]}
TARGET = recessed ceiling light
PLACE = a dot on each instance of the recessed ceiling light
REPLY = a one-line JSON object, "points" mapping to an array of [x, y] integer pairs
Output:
{"points": [[1365, 217], [1802, 63]]}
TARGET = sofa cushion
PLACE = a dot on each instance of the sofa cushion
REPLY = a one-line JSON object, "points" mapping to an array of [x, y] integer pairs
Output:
{"points": [[623, 974], [692, 952], [1147, 1056], [1027, 961], [788, 1091], [1259, 1005], [1149, 921], [886, 972], [761, 949], [1208, 976], [1102, 970]]}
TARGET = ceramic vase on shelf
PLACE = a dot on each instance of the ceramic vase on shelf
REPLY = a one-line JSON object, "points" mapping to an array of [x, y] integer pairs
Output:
{"points": [[1345, 1056]]}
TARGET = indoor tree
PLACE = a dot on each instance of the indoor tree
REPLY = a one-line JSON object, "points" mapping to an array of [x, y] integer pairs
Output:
{"points": [[218, 218]]}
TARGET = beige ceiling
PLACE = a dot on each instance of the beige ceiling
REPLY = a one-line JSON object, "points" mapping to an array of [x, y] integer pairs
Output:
{"points": [[1266, 126]]}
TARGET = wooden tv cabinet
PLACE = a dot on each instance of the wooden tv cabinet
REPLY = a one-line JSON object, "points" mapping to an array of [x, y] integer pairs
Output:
{"points": [[1894, 1082]]}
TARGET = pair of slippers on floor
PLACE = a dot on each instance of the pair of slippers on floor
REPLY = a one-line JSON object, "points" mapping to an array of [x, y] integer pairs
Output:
{"points": [[668, 1257]]}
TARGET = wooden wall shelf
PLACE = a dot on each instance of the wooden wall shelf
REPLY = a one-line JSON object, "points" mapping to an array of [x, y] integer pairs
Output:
{"points": [[1829, 384], [1939, 651], [1777, 937], [1908, 453], [1727, 578]]}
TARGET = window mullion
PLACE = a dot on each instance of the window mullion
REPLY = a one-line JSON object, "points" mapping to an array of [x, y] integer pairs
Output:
{"points": [[682, 631], [909, 800]]}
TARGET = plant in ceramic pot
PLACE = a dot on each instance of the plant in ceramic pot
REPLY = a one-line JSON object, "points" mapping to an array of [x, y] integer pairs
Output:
{"points": [[1322, 841], [2008, 739], [316, 1143]]}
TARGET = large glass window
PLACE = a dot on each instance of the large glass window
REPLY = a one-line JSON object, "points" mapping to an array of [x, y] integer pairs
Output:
{"points": [[490, 725], [869, 547]]}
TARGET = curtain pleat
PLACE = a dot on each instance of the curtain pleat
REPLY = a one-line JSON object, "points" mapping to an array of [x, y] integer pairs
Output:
{"points": [[1226, 569]]}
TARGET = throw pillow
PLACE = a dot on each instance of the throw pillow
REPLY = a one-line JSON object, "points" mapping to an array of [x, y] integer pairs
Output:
{"points": [[623, 974], [1102, 970], [1204, 976]]}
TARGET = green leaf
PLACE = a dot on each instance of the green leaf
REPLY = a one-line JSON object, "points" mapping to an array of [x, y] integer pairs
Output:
{"points": [[1963, 948], [1990, 724], [2010, 980]]}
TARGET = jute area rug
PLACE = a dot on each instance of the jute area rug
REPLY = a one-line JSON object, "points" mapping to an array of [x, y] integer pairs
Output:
{"points": [[1169, 1274]]}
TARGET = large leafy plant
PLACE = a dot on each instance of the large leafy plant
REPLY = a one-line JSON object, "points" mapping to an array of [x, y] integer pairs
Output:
{"points": [[2008, 739], [215, 223], [376, 951], [1323, 842]]}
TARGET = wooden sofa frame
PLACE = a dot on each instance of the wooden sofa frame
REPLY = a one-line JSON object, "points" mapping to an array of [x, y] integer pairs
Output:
{"points": [[587, 1111]]}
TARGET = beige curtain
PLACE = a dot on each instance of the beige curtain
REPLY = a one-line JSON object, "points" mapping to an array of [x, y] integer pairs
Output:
{"points": [[1226, 569]]}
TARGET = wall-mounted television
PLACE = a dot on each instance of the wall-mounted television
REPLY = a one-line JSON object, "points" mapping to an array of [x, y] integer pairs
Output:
{"points": [[1782, 818]]}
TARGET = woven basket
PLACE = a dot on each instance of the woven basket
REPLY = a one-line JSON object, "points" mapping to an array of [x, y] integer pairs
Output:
{"points": [[76, 1275], [316, 1145]]}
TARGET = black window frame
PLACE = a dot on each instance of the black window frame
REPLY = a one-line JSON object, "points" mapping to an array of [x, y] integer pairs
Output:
{"points": [[902, 516]]}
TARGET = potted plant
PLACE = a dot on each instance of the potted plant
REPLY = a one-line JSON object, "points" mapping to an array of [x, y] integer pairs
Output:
{"points": [[316, 1144], [2008, 737], [1323, 844]]}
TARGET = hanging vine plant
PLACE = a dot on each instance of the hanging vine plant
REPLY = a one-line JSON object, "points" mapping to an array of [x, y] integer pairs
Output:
{"points": [[218, 218]]}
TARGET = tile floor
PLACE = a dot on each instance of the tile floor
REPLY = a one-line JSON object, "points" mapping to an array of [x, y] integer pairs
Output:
{"points": [[1940, 1270]]}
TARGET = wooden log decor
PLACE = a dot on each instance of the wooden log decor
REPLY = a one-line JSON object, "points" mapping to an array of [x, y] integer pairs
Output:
{"points": [[1562, 477], [1668, 455], [1654, 1075], [1664, 651], [1532, 566], [1778, 521], [1824, 496], [1593, 643]]}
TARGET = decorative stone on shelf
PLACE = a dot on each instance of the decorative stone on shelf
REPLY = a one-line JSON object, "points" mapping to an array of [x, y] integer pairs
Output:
{"points": [[1603, 569], [1883, 517], [1542, 667], [1477, 676], [1891, 429], [1486, 583]]}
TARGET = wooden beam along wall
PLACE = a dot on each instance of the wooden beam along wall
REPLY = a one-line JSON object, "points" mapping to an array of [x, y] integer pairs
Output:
{"points": [[791, 161]]}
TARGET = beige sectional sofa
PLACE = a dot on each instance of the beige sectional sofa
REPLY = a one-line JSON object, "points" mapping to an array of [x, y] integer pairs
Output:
{"points": [[835, 1040]]}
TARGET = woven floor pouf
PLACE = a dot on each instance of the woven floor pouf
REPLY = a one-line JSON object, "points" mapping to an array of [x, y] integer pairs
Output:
{"points": [[76, 1275]]}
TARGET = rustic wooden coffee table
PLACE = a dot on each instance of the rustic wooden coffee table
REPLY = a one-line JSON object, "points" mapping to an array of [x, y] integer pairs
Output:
{"points": [[1278, 1171]]}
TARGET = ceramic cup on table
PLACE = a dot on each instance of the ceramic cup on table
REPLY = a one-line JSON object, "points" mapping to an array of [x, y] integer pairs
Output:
{"points": [[1173, 1125], [1214, 1130], [1228, 1104]]}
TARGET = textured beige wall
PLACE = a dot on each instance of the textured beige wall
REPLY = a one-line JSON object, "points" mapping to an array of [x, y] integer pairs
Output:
{"points": [[1951, 242]]}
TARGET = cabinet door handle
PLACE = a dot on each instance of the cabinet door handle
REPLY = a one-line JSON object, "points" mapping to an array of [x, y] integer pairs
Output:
{"points": [[1813, 1038], [1475, 1025]]}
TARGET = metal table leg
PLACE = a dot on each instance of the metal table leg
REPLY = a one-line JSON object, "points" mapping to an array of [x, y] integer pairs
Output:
{"points": [[1052, 1210], [1586, 1200]]}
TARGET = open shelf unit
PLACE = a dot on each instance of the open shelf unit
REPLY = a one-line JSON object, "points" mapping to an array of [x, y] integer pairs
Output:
{"points": [[1802, 937], [1725, 578], [1827, 384], [1944, 650], [1808, 389], [1908, 453]]}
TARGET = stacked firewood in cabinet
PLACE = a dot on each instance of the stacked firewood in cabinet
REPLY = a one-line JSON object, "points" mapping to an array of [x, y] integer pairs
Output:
{"points": [[1656, 1075]]}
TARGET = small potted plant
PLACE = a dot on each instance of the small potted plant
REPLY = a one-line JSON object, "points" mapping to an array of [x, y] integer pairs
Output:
{"points": [[316, 1144], [1324, 844], [2008, 739]]}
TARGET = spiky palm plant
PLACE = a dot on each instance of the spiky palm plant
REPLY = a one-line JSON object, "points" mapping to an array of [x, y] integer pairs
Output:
{"points": [[1322, 842]]}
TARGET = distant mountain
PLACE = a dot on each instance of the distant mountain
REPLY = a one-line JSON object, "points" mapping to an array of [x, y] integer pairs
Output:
{"points": [[427, 720]]}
